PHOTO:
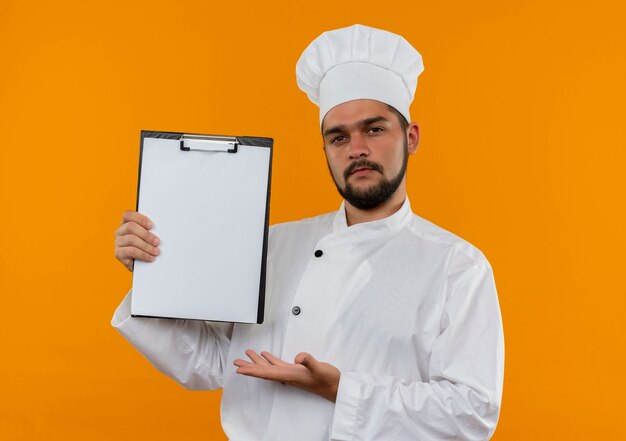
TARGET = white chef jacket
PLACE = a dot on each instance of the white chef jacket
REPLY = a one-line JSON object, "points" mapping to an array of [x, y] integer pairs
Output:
{"points": [[407, 311]]}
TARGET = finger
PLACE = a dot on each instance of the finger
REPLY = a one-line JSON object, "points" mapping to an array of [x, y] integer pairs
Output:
{"points": [[242, 363], [305, 359], [128, 263], [273, 360], [137, 217], [125, 253], [139, 231], [256, 358], [130, 240], [283, 374]]}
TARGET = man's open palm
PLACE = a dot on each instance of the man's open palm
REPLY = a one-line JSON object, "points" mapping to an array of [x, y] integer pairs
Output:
{"points": [[306, 372]]}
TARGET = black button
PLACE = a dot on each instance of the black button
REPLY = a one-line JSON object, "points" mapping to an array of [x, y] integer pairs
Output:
{"points": [[319, 253], [295, 310]]}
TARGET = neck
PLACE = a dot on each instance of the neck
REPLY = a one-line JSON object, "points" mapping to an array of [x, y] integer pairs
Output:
{"points": [[356, 215]]}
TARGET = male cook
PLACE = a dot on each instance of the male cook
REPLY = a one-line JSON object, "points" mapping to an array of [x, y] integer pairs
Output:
{"points": [[379, 324]]}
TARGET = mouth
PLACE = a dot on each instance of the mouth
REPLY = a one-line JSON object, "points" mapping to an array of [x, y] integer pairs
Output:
{"points": [[362, 168], [361, 171]]}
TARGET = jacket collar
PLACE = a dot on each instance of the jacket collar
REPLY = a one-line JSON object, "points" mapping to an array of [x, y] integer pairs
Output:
{"points": [[370, 230]]}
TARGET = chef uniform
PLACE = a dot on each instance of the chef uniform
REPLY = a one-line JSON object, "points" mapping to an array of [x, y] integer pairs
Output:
{"points": [[407, 311]]}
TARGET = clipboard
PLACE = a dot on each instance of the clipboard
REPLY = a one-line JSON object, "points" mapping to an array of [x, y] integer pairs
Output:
{"points": [[208, 196]]}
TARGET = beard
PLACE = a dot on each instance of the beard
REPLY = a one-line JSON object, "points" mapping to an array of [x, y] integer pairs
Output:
{"points": [[377, 194]]}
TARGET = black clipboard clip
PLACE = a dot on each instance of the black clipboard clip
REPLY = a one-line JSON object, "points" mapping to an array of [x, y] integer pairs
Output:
{"points": [[209, 143]]}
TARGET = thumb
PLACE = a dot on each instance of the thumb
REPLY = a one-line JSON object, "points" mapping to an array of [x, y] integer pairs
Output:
{"points": [[306, 360]]}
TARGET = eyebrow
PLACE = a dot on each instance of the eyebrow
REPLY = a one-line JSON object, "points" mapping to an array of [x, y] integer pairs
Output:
{"points": [[363, 123]]}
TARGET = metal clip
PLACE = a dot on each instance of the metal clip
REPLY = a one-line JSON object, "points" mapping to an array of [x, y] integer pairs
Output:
{"points": [[205, 143]]}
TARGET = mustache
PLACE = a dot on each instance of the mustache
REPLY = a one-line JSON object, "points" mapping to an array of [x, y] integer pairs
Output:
{"points": [[362, 163]]}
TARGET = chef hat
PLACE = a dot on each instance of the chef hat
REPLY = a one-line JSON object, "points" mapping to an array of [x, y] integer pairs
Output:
{"points": [[359, 62]]}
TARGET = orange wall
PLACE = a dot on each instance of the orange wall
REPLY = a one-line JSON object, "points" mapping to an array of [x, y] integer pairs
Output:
{"points": [[521, 107]]}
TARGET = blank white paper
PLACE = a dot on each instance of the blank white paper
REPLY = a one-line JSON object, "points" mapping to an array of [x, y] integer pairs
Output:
{"points": [[209, 211]]}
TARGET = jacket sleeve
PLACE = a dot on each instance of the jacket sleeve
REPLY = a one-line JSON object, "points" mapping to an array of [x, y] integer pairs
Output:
{"points": [[461, 399], [191, 352]]}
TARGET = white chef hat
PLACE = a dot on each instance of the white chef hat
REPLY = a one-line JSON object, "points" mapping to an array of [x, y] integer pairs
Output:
{"points": [[359, 62]]}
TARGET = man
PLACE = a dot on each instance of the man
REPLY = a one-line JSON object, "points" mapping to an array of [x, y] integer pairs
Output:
{"points": [[379, 324]]}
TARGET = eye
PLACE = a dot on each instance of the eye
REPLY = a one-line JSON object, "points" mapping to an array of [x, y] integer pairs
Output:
{"points": [[375, 130], [337, 139]]}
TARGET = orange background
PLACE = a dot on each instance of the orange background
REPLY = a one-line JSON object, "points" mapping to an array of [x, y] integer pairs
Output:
{"points": [[521, 107]]}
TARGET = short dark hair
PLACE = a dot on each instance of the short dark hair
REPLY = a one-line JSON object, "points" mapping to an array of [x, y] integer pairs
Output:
{"points": [[403, 122]]}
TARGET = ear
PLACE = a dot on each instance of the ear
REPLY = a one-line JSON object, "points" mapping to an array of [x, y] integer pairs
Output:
{"points": [[413, 137]]}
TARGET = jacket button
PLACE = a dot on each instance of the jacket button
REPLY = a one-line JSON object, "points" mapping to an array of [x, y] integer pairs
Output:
{"points": [[295, 310], [318, 253]]}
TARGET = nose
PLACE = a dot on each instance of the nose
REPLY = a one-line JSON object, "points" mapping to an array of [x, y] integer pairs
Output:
{"points": [[358, 147]]}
